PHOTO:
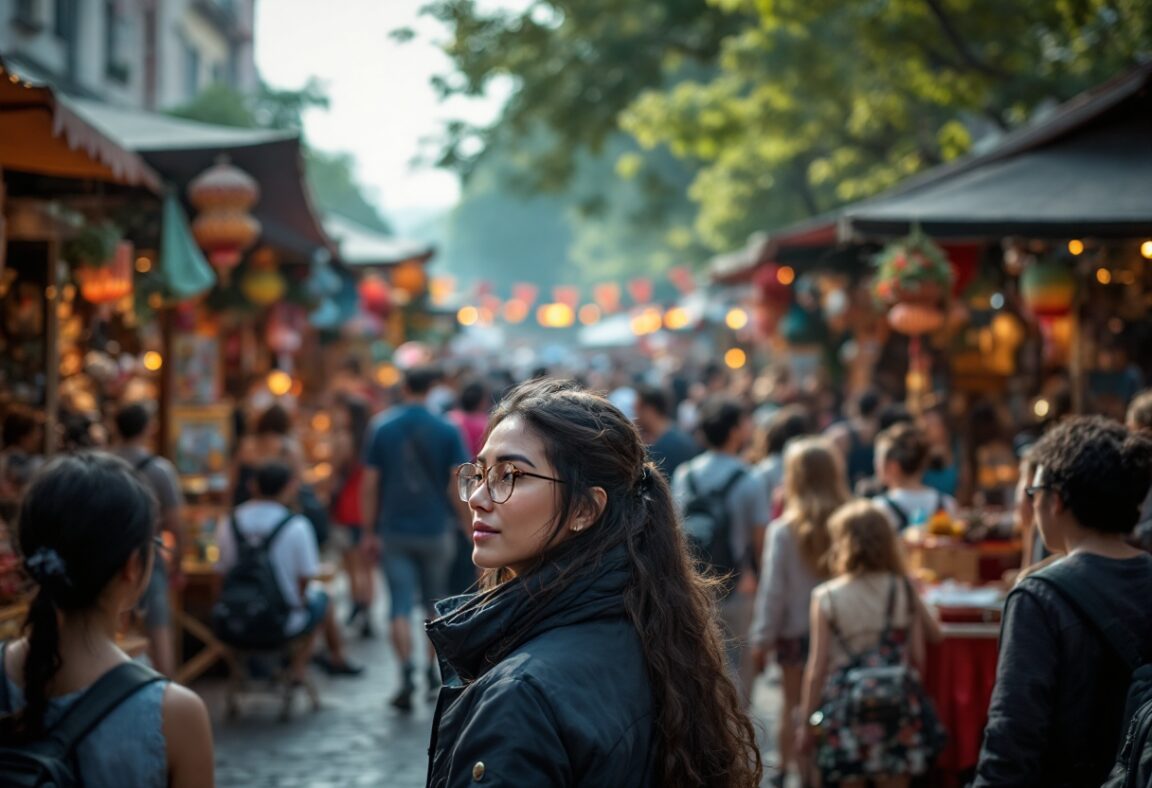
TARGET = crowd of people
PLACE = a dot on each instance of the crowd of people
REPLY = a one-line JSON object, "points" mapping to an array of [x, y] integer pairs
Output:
{"points": [[609, 574]]}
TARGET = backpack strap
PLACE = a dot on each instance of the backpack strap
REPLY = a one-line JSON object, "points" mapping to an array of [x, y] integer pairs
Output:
{"points": [[97, 702], [242, 542], [267, 545], [1095, 610], [898, 510], [733, 480], [5, 699], [143, 463], [852, 655]]}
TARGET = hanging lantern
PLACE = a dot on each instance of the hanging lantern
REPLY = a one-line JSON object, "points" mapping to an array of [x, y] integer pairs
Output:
{"points": [[263, 286], [375, 295], [913, 270], [1048, 289], [410, 278], [915, 319], [110, 282], [640, 289], [773, 284], [223, 194], [607, 297]]}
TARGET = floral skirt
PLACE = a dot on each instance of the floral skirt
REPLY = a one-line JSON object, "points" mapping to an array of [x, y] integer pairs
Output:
{"points": [[906, 744]]}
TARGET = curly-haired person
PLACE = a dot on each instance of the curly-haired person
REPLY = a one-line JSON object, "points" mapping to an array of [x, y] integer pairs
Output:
{"points": [[1140, 420], [1058, 707]]}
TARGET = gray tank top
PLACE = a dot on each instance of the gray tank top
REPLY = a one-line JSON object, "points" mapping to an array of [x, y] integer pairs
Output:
{"points": [[126, 748]]}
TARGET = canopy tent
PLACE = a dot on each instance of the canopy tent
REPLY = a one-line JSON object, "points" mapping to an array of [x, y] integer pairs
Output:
{"points": [[361, 246], [1084, 169], [42, 135], [182, 149]]}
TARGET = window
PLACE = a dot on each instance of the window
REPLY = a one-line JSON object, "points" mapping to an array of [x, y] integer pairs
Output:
{"points": [[191, 71], [62, 20], [115, 40]]}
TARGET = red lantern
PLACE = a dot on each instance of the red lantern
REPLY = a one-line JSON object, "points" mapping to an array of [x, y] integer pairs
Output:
{"points": [[607, 296], [569, 295], [375, 295], [1048, 289], [223, 194], [915, 319], [522, 291], [774, 286], [641, 290]]}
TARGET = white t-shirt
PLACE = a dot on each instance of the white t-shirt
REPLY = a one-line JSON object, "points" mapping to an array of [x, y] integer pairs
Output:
{"points": [[917, 505], [294, 554]]}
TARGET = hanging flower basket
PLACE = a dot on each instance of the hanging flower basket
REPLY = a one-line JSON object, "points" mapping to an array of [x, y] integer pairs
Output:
{"points": [[93, 246], [913, 270]]}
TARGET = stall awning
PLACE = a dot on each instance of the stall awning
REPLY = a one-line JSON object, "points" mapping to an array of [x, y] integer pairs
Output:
{"points": [[804, 242], [41, 134], [1086, 170], [182, 149], [361, 246]]}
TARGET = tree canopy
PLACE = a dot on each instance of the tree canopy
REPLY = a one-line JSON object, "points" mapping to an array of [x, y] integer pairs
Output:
{"points": [[778, 109]]}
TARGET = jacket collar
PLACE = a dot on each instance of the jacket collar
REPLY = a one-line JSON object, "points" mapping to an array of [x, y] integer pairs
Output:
{"points": [[475, 631]]}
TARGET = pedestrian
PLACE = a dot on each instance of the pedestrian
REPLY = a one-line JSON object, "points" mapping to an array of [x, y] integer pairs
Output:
{"points": [[136, 430], [725, 511], [856, 435], [590, 656], [86, 532], [409, 504], [668, 445], [1057, 712], [273, 439], [944, 467], [901, 460], [768, 445], [350, 418], [21, 441], [471, 418], [797, 558], [1139, 419], [869, 628]]}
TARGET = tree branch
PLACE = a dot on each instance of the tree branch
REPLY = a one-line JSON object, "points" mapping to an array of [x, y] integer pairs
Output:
{"points": [[959, 44]]}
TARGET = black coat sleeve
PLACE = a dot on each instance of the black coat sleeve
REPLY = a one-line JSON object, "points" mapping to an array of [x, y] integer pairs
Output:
{"points": [[1022, 712]]}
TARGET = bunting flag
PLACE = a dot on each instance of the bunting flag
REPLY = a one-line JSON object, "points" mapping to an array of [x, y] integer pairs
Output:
{"points": [[640, 289], [525, 292], [182, 265], [607, 297], [682, 278], [569, 295]]}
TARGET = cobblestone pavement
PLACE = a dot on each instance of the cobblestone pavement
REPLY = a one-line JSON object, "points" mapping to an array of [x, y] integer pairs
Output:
{"points": [[355, 739]]}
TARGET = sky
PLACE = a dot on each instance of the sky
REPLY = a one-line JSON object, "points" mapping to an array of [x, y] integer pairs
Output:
{"points": [[382, 105]]}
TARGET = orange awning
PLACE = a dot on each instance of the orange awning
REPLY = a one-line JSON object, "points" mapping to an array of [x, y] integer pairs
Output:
{"points": [[39, 134]]}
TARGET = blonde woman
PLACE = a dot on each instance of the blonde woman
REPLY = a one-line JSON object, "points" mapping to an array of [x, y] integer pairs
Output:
{"points": [[869, 628], [796, 560]]}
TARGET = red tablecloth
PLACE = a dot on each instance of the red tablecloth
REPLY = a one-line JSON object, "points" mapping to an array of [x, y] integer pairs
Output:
{"points": [[959, 675]]}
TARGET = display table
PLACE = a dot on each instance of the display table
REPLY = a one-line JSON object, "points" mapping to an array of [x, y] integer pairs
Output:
{"points": [[949, 558]]}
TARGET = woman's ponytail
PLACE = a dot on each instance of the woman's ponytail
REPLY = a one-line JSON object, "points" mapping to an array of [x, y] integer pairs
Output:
{"points": [[41, 665]]}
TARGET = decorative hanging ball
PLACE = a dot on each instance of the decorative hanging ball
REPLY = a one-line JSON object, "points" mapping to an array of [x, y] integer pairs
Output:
{"points": [[375, 295], [223, 195], [913, 270], [410, 278], [1048, 288], [915, 319], [109, 282], [774, 285], [263, 286]]}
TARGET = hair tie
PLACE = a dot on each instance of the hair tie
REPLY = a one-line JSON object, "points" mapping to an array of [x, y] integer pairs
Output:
{"points": [[644, 483], [46, 565]]}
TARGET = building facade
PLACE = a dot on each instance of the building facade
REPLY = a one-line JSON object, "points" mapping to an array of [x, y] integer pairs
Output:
{"points": [[150, 54]]}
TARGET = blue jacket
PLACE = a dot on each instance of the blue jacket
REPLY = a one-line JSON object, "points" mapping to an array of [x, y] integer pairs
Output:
{"points": [[542, 691]]}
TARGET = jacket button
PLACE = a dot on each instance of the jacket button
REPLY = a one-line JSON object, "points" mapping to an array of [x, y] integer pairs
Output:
{"points": [[478, 771]]}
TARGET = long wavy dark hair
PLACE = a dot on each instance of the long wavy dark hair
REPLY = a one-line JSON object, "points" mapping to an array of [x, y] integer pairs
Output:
{"points": [[703, 736], [83, 518]]}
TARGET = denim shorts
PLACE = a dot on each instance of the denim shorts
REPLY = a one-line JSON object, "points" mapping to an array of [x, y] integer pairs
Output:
{"points": [[316, 603], [414, 564]]}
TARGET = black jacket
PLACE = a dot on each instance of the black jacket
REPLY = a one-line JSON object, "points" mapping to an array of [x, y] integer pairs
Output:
{"points": [[565, 702], [1057, 709]]}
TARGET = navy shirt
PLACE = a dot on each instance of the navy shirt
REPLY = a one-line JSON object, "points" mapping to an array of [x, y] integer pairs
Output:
{"points": [[671, 449], [416, 454]]}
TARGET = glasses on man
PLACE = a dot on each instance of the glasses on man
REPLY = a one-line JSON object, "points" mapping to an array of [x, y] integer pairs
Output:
{"points": [[500, 479], [1033, 490]]}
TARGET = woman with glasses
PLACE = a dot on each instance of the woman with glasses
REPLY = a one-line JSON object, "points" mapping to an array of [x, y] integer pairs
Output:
{"points": [[591, 655], [1057, 710], [85, 532]]}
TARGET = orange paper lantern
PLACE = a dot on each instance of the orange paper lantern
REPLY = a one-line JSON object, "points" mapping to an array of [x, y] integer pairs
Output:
{"points": [[915, 319], [223, 194]]}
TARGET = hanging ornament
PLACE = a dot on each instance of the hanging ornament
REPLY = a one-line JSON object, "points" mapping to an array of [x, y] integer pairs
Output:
{"points": [[263, 286], [409, 278], [640, 289], [913, 270], [375, 295], [104, 284], [915, 320], [223, 194], [607, 297]]}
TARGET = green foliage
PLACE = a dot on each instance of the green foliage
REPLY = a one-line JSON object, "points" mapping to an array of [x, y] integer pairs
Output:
{"points": [[912, 267], [331, 176], [93, 245], [781, 109]]}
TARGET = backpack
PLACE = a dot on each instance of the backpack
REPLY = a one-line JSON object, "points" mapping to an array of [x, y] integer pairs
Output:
{"points": [[50, 761], [707, 524], [252, 611], [1133, 768], [902, 515]]}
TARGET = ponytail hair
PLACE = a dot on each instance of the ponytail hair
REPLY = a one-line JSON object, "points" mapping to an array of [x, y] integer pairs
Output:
{"points": [[82, 519]]}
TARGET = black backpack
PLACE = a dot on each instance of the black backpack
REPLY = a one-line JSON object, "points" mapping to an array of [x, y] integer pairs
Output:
{"points": [[50, 761], [1133, 767], [708, 527], [252, 611]]}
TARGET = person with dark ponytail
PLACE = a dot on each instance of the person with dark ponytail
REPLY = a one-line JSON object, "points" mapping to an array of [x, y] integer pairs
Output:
{"points": [[85, 533], [591, 655]]}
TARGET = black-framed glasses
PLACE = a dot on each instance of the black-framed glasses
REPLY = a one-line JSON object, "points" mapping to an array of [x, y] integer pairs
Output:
{"points": [[500, 479], [1032, 489], [161, 548]]}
